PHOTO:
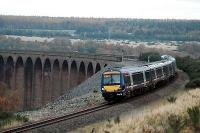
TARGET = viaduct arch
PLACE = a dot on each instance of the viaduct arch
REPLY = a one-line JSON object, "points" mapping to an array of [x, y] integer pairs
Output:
{"points": [[43, 77]]}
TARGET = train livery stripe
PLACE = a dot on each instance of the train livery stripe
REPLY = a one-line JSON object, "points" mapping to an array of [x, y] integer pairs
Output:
{"points": [[111, 88]]}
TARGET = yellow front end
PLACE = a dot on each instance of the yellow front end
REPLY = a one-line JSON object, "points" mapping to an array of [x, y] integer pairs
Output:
{"points": [[111, 88]]}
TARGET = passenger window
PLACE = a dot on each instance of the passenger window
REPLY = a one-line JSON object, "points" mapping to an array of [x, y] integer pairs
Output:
{"points": [[153, 74], [159, 72], [138, 78], [165, 70], [127, 80], [147, 75], [170, 68], [173, 67]]}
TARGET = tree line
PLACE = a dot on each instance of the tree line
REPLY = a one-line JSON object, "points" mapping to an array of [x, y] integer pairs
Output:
{"points": [[66, 45], [102, 28]]}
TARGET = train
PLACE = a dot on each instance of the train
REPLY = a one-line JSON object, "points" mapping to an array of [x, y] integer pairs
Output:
{"points": [[121, 82]]}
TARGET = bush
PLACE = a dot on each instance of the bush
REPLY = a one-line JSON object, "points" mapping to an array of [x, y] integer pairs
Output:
{"points": [[171, 99], [151, 56], [176, 123], [117, 120], [21, 118], [95, 91], [5, 115], [191, 67], [193, 83], [194, 115], [6, 118], [9, 99]]}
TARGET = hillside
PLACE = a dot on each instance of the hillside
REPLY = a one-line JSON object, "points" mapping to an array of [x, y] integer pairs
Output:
{"points": [[101, 28]]}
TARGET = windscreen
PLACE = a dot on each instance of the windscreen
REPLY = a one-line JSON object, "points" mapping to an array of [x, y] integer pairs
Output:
{"points": [[110, 79]]}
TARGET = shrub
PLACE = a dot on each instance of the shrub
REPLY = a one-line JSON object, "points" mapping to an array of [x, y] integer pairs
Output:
{"points": [[176, 123], [93, 130], [21, 118], [171, 99], [6, 118], [151, 56], [95, 91], [105, 131], [191, 67], [194, 115], [5, 115], [193, 83], [117, 120], [9, 99]]}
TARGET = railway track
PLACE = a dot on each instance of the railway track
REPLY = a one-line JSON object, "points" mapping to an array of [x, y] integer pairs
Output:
{"points": [[47, 122]]}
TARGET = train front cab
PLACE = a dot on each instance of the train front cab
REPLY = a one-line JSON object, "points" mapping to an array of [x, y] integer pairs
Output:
{"points": [[112, 85]]}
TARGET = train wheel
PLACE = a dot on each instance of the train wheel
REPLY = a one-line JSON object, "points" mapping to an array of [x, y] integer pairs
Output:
{"points": [[128, 94]]}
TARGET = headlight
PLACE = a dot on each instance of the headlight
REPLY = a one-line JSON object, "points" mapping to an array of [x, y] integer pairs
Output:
{"points": [[102, 89]]}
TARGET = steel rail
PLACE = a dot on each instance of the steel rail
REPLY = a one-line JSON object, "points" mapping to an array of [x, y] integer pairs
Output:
{"points": [[50, 121]]}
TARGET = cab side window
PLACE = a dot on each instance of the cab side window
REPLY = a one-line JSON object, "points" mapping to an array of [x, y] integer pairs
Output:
{"points": [[127, 80]]}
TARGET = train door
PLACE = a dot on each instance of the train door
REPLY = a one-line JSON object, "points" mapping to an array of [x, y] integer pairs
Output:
{"points": [[153, 78], [153, 74], [148, 78], [127, 80]]}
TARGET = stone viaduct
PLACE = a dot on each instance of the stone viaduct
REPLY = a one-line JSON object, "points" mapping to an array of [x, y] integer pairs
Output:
{"points": [[41, 77]]}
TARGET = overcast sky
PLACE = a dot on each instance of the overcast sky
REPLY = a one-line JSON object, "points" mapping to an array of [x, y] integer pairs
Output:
{"points": [[171, 9]]}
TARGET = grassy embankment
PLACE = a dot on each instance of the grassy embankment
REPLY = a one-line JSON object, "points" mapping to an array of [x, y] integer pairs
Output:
{"points": [[180, 115]]}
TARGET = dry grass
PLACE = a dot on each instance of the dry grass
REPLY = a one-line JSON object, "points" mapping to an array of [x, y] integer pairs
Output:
{"points": [[165, 117], [12, 124]]}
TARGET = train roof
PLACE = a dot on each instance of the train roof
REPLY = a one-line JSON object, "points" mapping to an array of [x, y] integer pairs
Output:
{"points": [[147, 66], [133, 69], [166, 60], [168, 57]]}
